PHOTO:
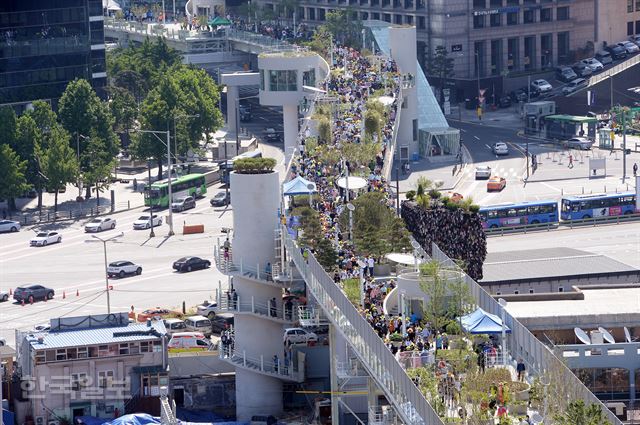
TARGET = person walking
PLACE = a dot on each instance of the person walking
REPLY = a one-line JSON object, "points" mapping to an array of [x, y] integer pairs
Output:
{"points": [[635, 169], [370, 263], [570, 161], [520, 368]]}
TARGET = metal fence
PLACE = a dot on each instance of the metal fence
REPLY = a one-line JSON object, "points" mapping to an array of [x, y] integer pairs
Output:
{"points": [[613, 71], [49, 216], [380, 363], [521, 343], [391, 149], [570, 224]]}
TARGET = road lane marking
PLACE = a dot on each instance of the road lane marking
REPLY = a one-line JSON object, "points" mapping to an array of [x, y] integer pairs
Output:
{"points": [[477, 138], [488, 147]]}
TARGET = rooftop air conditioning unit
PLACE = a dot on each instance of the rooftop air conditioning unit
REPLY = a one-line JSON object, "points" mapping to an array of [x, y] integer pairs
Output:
{"points": [[39, 420]]}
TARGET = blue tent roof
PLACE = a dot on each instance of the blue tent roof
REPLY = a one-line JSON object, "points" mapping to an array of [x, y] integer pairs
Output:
{"points": [[298, 186], [481, 322]]}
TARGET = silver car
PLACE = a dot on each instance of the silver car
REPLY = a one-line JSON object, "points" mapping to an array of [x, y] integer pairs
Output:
{"points": [[483, 172], [9, 226], [581, 143]]}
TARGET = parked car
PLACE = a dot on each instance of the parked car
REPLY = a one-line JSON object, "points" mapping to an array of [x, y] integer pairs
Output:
{"points": [[123, 268], [500, 148], [635, 39], [581, 143], [198, 324], [32, 293], [174, 325], [629, 46], [182, 204], [4, 296], [46, 238], [144, 222], [541, 85], [604, 57], [483, 172], [189, 341], [245, 113], [582, 69], [496, 183], [221, 322], [156, 314], [566, 74], [593, 63], [504, 102], [575, 85], [187, 264], [100, 224], [617, 52], [9, 226], [299, 336], [272, 136], [207, 309], [221, 198]]}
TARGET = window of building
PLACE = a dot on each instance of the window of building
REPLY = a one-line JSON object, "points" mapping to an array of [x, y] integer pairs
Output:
{"points": [[512, 18], [629, 28], [629, 6], [529, 16], [637, 27], [105, 377], [531, 291], [513, 53], [83, 352], [478, 22], [61, 355], [516, 292], [386, 17], [79, 381], [562, 13], [414, 123], [637, 5], [495, 20], [513, 2], [496, 57], [408, 19], [498, 293], [530, 2], [560, 289], [545, 15], [146, 347], [283, 80], [364, 16], [479, 4], [421, 25], [309, 78], [398, 19], [563, 47], [495, 3]]}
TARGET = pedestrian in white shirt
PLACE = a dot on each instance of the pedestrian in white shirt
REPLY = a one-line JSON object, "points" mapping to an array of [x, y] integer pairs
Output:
{"points": [[370, 263]]}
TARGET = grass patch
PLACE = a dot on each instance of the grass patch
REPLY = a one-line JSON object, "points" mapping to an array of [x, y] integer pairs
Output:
{"points": [[352, 290]]}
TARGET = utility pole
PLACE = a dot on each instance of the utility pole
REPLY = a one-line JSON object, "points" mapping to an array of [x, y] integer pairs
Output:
{"points": [[237, 126], [611, 90], [151, 234], [106, 276], [169, 183], [624, 144]]}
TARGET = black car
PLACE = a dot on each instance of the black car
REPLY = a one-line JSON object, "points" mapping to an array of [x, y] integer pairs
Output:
{"points": [[566, 74], [504, 102], [221, 199], [32, 293], [617, 52], [187, 264], [273, 137], [221, 322]]}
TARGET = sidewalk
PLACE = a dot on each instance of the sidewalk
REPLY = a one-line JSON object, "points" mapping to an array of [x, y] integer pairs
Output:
{"points": [[503, 118]]}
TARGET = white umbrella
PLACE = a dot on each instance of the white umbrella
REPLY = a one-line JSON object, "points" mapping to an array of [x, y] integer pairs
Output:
{"points": [[385, 100], [355, 183], [110, 5], [407, 259]]}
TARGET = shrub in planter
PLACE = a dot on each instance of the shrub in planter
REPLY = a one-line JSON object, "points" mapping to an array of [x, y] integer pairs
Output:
{"points": [[396, 337], [452, 206], [474, 208], [452, 328], [254, 165], [434, 194], [410, 195]]}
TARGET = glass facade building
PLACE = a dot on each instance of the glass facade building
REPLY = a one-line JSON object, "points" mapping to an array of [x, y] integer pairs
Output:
{"points": [[46, 44]]}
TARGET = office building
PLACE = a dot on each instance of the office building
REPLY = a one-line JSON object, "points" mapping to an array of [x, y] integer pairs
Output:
{"points": [[46, 44]]}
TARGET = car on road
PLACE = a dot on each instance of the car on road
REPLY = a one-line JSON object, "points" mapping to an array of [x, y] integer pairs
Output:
{"points": [[157, 313], [500, 148], [100, 224], [604, 57], [566, 74], [483, 172], [45, 238], [496, 183], [629, 46], [593, 63], [9, 226], [575, 85], [207, 309], [221, 199], [541, 85], [581, 143], [144, 222], [504, 102], [272, 136], [32, 293], [299, 336], [4, 296], [181, 204], [582, 70], [123, 268], [617, 52], [187, 264]]}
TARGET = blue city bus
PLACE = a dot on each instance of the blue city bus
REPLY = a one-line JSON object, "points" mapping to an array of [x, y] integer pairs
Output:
{"points": [[598, 205], [519, 214]]}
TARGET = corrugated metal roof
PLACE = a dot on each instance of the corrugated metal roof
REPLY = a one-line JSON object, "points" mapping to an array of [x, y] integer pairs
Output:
{"points": [[548, 263], [117, 334]]}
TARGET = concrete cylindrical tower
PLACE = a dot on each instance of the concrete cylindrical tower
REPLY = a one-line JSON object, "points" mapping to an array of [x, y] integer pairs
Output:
{"points": [[257, 395], [255, 199], [399, 39]]}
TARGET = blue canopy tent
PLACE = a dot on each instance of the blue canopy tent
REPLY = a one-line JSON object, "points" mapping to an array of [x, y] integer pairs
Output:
{"points": [[481, 322], [298, 186]]}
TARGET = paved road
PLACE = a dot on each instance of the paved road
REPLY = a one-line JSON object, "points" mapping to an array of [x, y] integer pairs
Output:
{"points": [[621, 242], [75, 265]]}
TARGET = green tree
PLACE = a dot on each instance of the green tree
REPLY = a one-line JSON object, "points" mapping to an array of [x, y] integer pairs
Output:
{"points": [[441, 67], [578, 413], [372, 123], [123, 109], [327, 255], [99, 165], [8, 126], [433, 282], [29, 138], [321, 42], [44, 117], [12, 175], [345, 27], [58, 161]]}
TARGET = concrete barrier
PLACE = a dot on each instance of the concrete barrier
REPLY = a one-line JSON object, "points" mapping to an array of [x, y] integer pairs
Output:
{"points": [[193, 228]]}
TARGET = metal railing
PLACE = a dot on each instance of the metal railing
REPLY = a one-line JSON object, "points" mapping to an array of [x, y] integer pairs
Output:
{"points": [[255, 271], [382, 415], [281, 369], [381, 365], [521, 343], [263, 41], [255, 306], [593, 221], [391, 149], [595, 79], [47, 216]]}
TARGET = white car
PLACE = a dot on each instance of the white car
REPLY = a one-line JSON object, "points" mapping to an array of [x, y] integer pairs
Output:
{"points": [[100, 224], [581, 143], [9, 226], [483, 172], [46, 238], [629, 46], [500, 148], [593, 63], [122, 268], [43, 327], [207, 309], [542, 86], [575, 85], [299, 336], [144, 222], [4, 296]]}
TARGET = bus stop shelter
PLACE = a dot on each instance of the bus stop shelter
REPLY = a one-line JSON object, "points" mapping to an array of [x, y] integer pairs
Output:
{"points": [[562, 127]]}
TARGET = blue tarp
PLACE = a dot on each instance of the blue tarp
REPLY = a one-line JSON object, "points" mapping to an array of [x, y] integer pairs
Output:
{"points": [[298, 186], [481, 322], [135, 419], [8, 418]]}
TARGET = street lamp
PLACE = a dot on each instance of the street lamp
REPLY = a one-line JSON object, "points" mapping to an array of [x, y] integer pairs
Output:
{"points": [[503, 305], [106, 276], [168, 145], [351, 208], [151, 233]]}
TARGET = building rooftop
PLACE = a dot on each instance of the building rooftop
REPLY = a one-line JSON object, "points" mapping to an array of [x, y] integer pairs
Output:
{"points": [[94, 336], [550, 263]]}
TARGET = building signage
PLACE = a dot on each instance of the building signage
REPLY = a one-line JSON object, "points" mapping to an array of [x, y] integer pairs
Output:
{"points": [[496, 11], [456, 48]]}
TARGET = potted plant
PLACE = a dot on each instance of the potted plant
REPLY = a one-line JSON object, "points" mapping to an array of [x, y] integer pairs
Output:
{"points": [[520, 390], [396, 339]]}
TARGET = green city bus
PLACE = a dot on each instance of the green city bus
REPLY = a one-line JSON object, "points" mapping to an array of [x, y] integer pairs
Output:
{"points": [[189, 185]]}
